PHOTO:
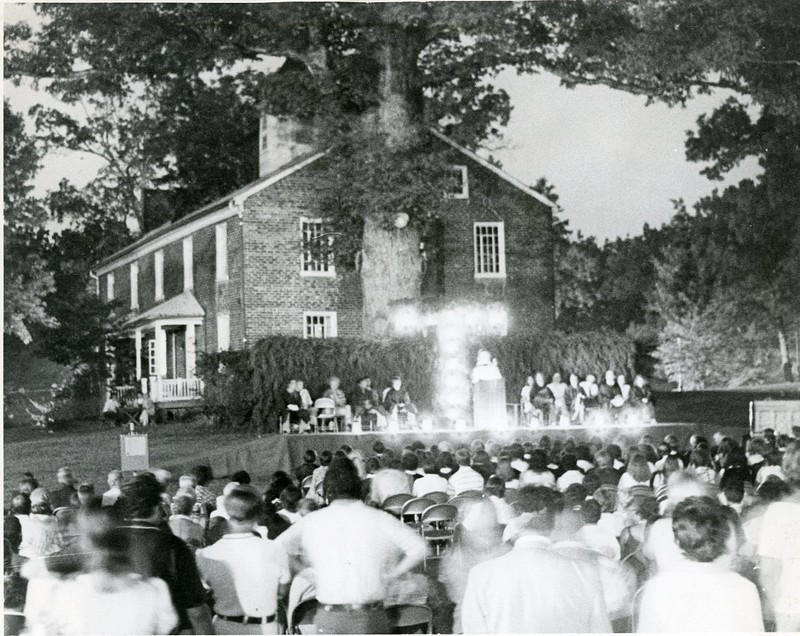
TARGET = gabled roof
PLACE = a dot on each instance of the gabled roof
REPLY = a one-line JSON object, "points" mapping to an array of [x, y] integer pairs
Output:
{"points": [[499, 172], [232, 200], [179, 307]]}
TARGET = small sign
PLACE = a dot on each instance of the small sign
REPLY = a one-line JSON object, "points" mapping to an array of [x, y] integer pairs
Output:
{"points": [[134, 452]]}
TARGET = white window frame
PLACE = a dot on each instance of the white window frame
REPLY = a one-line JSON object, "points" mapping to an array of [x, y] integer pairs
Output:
{"points": [[501, 246], [110, 286], [152, 365], [188, 263], [330, 272], [331, 324], [221, 251], [223, 332], [134, 286], [464, 194], [158, 266]]}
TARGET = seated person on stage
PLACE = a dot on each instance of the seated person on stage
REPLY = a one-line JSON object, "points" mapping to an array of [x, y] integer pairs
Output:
{"points": [[641, 396], [573, 397], [305, 396], [609, 392], [542, 401], [111, 408], [590, 392], [397, 403], [559, 390], [293, 406], [525, 400], [335, 393], [367, 404]]}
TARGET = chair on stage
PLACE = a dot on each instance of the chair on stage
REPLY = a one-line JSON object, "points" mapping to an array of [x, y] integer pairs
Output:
{"points": [[405, 617], [412, 510], [438, 528], [325, 410], [394, 504]]}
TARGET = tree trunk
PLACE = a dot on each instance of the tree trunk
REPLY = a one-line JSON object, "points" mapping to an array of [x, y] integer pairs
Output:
{"points": [[391, 270], [786, 362], [391, 263]]}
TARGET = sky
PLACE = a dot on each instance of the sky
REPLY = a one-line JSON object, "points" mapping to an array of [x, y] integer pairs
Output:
{"points": [[616, 163]]}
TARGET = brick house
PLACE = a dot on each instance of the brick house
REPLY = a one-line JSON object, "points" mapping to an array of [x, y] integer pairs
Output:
{"points": [[246, 266]]}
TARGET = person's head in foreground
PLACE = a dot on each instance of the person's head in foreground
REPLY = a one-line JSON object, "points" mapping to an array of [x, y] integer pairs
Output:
{"points": [[244, 506], [538, 507], [141, 497], [701, 529], [342, 480]]}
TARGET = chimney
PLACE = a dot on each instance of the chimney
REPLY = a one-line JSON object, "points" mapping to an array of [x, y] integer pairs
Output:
{"points": [[281, 141]]}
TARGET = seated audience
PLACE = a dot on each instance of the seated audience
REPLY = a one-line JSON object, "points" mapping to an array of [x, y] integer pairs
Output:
{"points": [[182, 524], [431, 481], [289, 498], [701, 593], [595, 536], [60, 497], [538, 474], [465, 478], [307, 468], [114, 491], [571, 474]]}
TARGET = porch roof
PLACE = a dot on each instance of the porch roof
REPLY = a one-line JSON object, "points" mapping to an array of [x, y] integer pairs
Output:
{"points": [[184, 306]]}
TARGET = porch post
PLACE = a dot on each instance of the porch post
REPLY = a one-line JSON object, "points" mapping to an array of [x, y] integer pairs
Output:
{"points": [[161, 351], [190, 350], [138, 341]]}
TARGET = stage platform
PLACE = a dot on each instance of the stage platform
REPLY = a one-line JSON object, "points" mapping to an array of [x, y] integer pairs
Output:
{"points": [[264, 455]]}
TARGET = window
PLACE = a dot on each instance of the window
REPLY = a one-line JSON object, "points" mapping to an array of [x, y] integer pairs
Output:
{"points": [[458, 188], [223, 332], [110, 286], [134, 285], [317, 252], [222, 251], [320, 324], [490, 250], [159, 267], [151, 357], [188, 264]]}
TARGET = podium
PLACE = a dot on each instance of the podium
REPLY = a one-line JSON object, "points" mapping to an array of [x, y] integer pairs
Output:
{"points": [[489, 404], [134, 453]]}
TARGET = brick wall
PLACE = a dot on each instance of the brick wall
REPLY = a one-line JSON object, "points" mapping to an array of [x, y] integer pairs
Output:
{"points": [[277, 293]]}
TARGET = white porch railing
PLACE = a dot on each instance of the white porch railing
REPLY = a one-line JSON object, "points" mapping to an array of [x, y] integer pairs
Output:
{"points": [[177, 389]]}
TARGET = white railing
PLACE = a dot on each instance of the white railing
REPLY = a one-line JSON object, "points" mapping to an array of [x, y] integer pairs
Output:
{"points": [[178, 389]]}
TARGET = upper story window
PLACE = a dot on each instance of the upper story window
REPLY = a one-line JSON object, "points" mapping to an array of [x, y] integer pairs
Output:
{"points": [[319, 324], [110, 286], [223, 332], [458, 185], [490, 250], [188, 263], [317, 252], [222, 251], [134, 285], [159, 269]]}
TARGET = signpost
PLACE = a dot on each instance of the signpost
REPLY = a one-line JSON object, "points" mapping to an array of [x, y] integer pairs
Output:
{"points": [[133, 452]]}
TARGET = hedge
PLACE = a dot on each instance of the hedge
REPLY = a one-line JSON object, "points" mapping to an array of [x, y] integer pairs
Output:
{"points": [[246, 387]]}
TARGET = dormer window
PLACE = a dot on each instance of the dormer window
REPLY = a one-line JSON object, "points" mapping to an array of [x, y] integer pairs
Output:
{"points": [[458, 184]]}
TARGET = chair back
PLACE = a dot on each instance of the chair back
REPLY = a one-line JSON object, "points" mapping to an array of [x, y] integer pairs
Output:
{"points": [[636, 605], [305, 486], [440, 513], [404, 617], [394, 504], [324, 403], [303, 617], [438, 497], [475, 494], [415, 507]]}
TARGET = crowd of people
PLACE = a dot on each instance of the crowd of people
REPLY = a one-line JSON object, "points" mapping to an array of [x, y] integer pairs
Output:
{"points": [[550, 535], [577, 401]]}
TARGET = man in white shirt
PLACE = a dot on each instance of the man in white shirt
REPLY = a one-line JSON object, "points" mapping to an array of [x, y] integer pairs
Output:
{"points": [[701, 594], [354, 551], [465, 478], [114, 491], [246, 573], [430, 482], [598, 538], [534, 589]]}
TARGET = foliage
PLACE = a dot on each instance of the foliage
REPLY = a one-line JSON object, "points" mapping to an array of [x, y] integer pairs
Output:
{"points": [[246, 387], [26, 277]]}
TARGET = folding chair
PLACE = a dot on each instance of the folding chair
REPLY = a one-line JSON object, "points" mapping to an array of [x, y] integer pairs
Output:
{"points": [[325, 409], [394, 504], [636, 605], [414, 508], [305, 486], [302, 621], [475, 494], [438, 497], [405, 617], [438, 527]]}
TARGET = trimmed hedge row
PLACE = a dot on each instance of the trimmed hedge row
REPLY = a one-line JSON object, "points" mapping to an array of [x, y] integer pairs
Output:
{"points": [[246, 387]]}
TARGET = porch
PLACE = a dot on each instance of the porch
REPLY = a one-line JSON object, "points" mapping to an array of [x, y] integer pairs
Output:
{"points": [[164, 354]]}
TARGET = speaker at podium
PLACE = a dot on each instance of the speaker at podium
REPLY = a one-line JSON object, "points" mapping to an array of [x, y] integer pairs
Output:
{"points": [[488, 393]]}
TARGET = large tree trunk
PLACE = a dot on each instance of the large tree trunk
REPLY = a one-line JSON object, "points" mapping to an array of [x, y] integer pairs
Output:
{"points": [[391, 270], [786, 361], [391, 265]]}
